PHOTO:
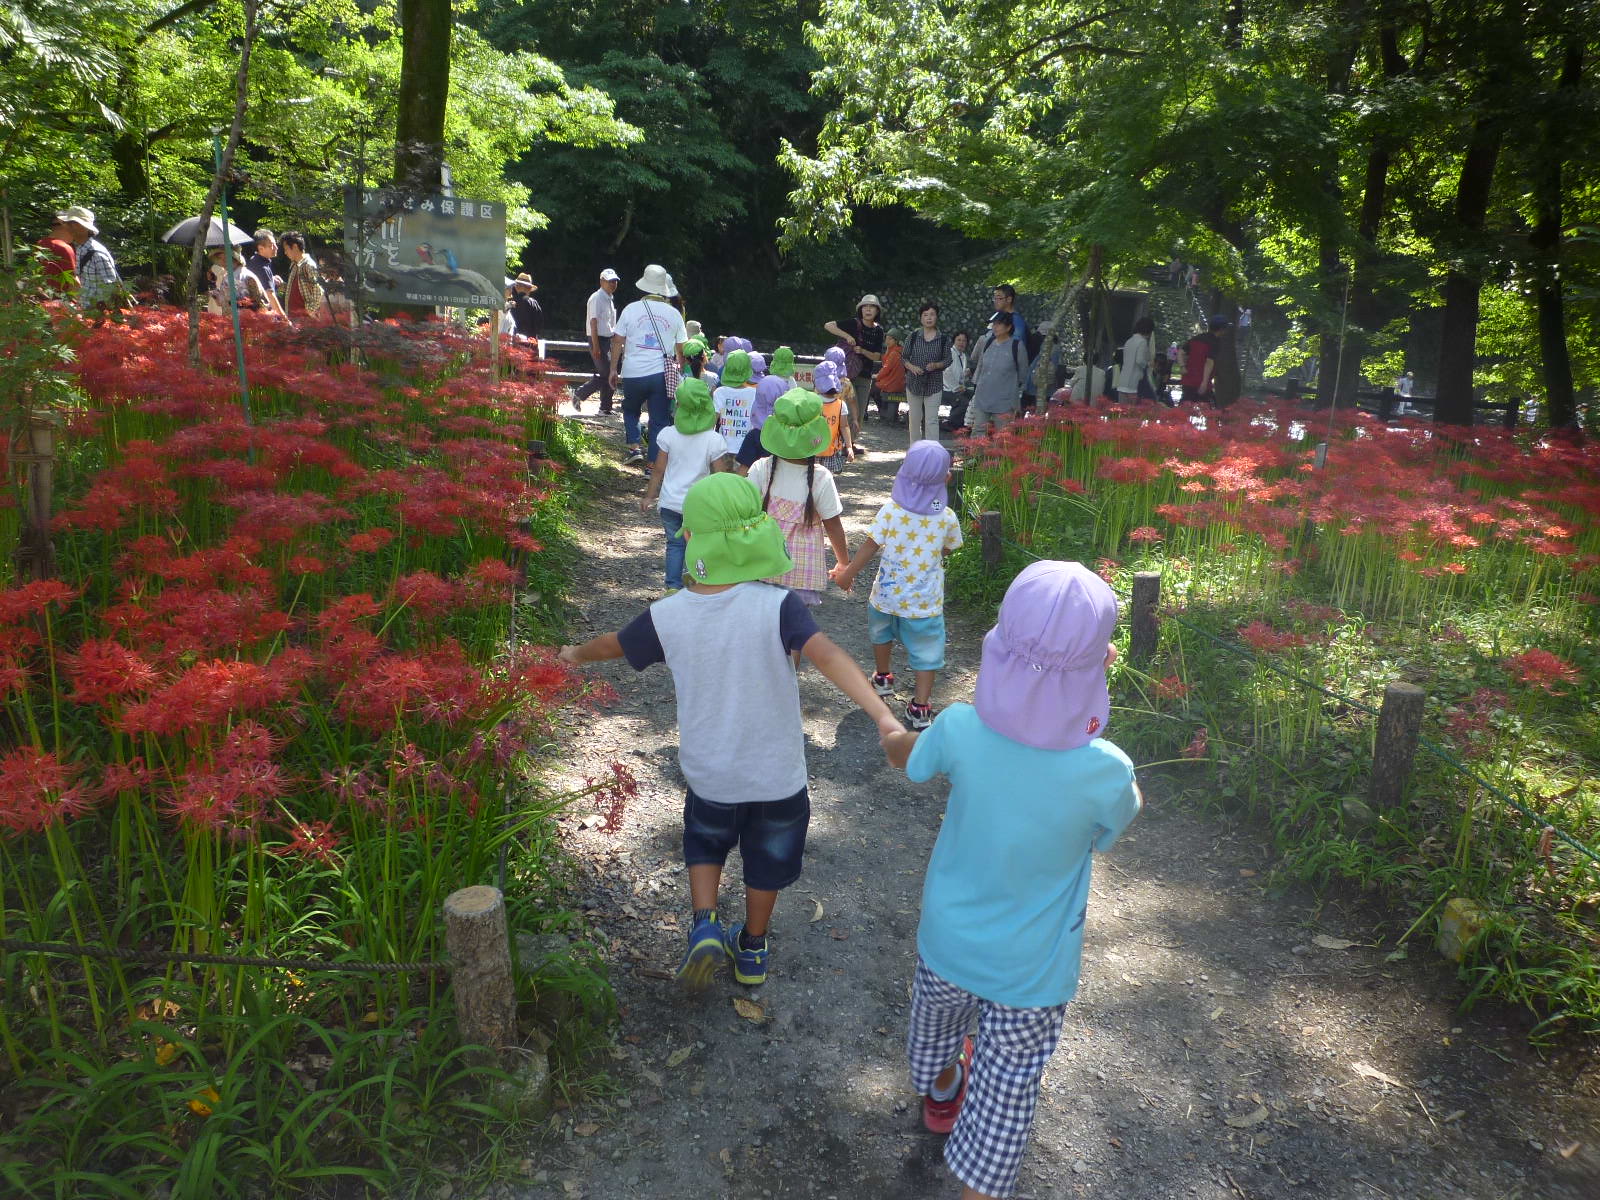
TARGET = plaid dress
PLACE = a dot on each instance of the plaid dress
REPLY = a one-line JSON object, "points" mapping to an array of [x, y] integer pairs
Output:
{"points": [[805, 546]]}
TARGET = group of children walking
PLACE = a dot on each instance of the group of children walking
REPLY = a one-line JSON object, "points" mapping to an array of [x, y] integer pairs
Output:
{"points": [[1034, 788]]}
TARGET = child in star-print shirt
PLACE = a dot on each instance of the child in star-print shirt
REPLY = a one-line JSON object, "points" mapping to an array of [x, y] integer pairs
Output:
{"points": [[914, 531]]}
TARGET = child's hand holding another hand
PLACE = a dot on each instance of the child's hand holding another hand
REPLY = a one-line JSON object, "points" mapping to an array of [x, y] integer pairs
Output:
{"points": [[897, 745], [842, 576]]}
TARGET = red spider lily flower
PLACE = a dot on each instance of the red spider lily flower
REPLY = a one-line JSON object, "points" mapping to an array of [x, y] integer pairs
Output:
{"points": [[1262, 637], [1542, 669], [343, 613], [369, 540], [426, 595], [306, 564], [31, 599], [315, 841], [1145, 533], [208, 693], [104, 670], [1171, 688], [1197, 744], [37, 791]]}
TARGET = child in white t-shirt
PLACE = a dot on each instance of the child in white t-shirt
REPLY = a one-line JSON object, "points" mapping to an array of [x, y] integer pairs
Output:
{"points": [[915, 530], [735, 397], [799, 492], [689, 450]]}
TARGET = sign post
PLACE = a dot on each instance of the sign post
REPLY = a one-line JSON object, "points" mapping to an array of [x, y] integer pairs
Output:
{"points": [[426, 250]]}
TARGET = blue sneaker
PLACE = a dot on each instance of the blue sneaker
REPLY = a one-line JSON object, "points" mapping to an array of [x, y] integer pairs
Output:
{"points": [[704, 955], [749, 966]]}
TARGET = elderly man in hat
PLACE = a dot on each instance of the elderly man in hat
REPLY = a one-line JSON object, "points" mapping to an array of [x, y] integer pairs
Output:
{"points": [[99, 284], [526, 314], [600, 322], [59, 248]]}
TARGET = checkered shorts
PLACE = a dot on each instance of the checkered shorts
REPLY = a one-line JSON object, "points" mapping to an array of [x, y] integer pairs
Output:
{"points": [[1010, 1051]]}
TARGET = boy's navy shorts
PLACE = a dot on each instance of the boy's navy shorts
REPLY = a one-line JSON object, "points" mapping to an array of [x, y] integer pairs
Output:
{"points": [[771, 836]]}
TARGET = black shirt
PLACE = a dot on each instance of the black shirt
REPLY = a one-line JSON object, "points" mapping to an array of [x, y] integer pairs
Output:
{"points": [[260, 266], [527, 315], [868, 337]]}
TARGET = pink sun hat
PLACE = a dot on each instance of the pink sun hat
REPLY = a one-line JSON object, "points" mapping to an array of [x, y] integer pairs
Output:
{"points": [[1042, 681]]}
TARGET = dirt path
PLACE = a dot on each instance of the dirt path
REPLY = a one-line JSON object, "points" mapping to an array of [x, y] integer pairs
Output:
{"points": [[1215, 1050]]}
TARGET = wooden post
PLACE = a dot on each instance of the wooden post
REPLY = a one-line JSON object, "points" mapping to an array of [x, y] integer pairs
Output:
{"points": [[1146, 629], [1399, 724], [1386, 404], [989, 532], [35, 554], [537, 453], [958, 481], [1512, 406], [480, 967]]}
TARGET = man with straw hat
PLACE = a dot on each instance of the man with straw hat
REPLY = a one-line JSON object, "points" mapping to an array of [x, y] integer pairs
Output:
{"points": [[727, 638], [526, 313]]}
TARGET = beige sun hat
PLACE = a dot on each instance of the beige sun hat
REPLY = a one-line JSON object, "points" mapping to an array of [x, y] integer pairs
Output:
{"points": [[869, 298], [655, 279], [525, 280], [79, 215]]}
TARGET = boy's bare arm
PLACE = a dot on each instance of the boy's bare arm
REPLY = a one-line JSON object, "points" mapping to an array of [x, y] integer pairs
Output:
{"points": [[897, 747], [841, 670], [596, 649], [845, 576]]}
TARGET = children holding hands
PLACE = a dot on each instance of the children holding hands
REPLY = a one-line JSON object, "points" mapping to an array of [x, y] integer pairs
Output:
{"points": [[914, 531], [726, 638], [1034, 792]]}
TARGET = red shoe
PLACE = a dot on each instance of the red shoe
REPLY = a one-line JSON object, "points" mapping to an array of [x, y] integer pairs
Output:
{"points": [[940, 1115]]}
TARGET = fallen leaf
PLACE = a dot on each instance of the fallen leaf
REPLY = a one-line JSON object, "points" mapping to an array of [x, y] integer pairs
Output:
{"points": [[1455, 1116], [726, 1155], [1572, 1149], [1246, 873], [838, 935], [650, 1076], [1331, 943], [572, 1187], [678, 1057], [1250, 1118], [749, 1009], [1395, 956], [816, 912], [1215, 1013], [587, 1129], [1367, 1072]]}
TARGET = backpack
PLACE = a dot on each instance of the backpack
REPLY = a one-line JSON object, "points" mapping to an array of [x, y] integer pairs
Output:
{"points": [[1016, 344]]}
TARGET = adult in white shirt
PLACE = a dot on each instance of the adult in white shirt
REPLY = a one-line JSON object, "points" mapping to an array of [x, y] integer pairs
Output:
{"points": [[1403, 388], [1133, 373], [649, 334], [600, 323]]}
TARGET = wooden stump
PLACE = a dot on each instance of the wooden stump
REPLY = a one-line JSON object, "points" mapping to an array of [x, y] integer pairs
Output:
{"points": [[989, 533], [958, 502], [1399, 725], [480, 967], [1146, 624]]}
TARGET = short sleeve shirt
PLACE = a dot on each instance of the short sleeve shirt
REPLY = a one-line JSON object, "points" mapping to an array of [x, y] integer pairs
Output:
{"points": [[654, 331], [603, 312], [689, 459], [734, 406], [790, 484], [910, 579], [1013, 854]]}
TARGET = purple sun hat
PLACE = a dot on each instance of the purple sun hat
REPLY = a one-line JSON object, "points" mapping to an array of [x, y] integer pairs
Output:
{"points": [[767, 393], [758, 365], [825, 378], [835, 355], [1042, 681], [919, 484], [737, 343]]}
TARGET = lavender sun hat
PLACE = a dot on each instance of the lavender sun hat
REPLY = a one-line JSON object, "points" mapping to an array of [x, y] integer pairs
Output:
{"points": [[835, 355], [1042, 681], [758, 365], [767, 393], [825, 378], [919, 484]]}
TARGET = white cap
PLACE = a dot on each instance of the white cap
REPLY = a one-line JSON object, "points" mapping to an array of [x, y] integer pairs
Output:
{"points": [[608, 274]]}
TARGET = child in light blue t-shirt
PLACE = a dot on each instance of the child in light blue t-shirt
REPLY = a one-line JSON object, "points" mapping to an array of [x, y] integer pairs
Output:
{"points": [[1034, 792]]}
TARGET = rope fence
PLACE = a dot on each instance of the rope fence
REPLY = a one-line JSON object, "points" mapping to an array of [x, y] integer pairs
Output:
{"points": [[1399, 719]]}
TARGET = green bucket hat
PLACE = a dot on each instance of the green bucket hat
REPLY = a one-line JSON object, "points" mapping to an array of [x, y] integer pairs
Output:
{"points": [[695, 413], [731, 538], [796, 428], [782, 363], [898, 335], [694, 348], [736, 369]]}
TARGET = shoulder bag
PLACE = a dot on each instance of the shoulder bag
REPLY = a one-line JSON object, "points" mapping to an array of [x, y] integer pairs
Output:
{"points": [[670, 368]]}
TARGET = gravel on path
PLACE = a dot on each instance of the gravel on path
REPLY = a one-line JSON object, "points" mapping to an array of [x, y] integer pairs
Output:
{"points": [[1216, 1050]]}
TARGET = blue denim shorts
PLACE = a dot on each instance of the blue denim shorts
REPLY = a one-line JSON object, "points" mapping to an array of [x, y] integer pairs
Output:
{"points": [[771, 837], [923, 637]]}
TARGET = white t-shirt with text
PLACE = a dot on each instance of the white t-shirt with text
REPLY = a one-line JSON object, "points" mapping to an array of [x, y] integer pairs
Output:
{"points": [[734, 406]]}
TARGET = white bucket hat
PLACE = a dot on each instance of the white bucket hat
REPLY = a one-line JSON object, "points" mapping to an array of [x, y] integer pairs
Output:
{"points": [[79, 215], [869, 298], [655, 279]]}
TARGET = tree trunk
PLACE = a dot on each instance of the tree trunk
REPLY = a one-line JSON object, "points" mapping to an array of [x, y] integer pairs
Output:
{"points": [[241, 101], [424, 91], [1458, 339], [1560, 403]]}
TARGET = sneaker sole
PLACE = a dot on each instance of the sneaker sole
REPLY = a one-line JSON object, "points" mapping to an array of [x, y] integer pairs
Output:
{"points": [[700, 966], [748, 980]]}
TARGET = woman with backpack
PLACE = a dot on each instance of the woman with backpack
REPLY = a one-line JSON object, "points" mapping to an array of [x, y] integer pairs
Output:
{"points": [[1000, 369]]}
